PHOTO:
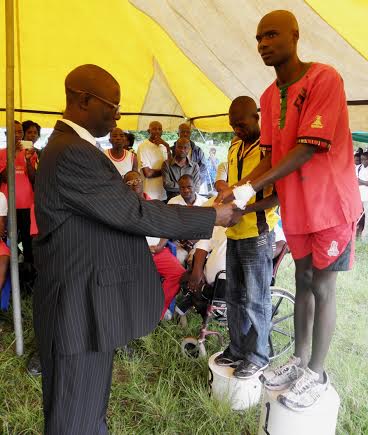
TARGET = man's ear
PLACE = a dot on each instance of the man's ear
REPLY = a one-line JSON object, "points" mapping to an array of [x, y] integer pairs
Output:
{"points": [[256, 116], [83, 100], [296, 35]]}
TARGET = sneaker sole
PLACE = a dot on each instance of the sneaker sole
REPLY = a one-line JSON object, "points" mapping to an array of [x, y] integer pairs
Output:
{"points": [[232, 365], [239, 376]]}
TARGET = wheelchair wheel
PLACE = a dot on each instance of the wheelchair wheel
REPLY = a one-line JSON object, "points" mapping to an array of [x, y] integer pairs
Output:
{"points": [[191, 348], [281, 337]]}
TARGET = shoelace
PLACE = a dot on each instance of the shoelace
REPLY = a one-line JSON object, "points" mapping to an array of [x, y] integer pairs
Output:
{"points": [[303, 384], [285, 368]]}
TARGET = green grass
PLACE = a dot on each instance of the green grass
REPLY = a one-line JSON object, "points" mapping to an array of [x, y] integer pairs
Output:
{"points": [[161, 392]]}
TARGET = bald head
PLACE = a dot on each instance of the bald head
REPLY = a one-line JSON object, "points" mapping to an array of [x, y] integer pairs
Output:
{"points": [[155, 130], [92, 97], [89, 78], [243, 118], [277, 36], [184, 130], [243, 104], [282, 18]]}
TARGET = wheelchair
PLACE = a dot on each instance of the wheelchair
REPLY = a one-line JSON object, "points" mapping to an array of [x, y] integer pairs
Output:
{"points": [[281, 337]]}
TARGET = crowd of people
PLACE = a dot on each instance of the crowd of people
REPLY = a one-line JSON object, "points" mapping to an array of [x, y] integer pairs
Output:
{"points": [[120, 232]]}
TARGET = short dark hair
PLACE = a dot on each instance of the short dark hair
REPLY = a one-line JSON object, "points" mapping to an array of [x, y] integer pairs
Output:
{"points": [[131, 138], [360, 150], [128, 173], [365, 154], [28, 124], [186, 177]]}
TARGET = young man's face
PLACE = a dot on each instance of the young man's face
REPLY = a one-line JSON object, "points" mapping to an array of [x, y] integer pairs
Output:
{"points": [[276, 44], [245, 125], [182, 149], [117, 138], [364, 161], [357, 160], [184, 132], [186, 189], [155, 130]]}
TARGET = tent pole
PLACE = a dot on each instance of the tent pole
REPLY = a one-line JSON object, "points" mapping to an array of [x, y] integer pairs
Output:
{"points": [[204, 140], [12, 216]]}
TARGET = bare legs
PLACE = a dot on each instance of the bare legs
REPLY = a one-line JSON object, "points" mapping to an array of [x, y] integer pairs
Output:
{"points": [[315, 313]]}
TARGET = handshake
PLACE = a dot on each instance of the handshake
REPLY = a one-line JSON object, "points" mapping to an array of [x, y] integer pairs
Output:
{"points": [[230, 204]]}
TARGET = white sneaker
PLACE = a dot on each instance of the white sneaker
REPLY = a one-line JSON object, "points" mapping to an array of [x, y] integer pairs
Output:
{"points": [[305, 392], [283, 376]]}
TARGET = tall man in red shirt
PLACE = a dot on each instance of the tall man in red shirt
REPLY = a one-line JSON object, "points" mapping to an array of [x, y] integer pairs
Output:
{"points": [[305, 128]]}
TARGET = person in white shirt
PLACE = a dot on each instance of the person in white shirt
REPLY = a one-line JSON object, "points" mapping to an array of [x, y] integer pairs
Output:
{"points": [[363, 187], [188, 197], [221, 177], [151, 155], [123, 160]]}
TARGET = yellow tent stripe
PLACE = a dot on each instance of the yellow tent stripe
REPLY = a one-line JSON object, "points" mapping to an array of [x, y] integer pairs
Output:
{"points": [[348, 18]]}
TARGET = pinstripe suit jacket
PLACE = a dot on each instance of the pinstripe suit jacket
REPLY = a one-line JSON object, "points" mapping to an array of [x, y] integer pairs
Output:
{"points": [[97, 286]]}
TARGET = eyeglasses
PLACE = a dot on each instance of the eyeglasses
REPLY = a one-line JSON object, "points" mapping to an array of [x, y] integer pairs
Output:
{"points": [[109, 103], [134, 182]]}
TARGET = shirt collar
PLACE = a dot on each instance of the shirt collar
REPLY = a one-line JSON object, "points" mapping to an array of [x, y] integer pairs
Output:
{"points": [[189, 162], [81, 131]]}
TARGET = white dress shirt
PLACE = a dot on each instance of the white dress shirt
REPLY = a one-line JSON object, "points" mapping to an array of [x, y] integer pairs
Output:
{"points": [[81, 131], [179, 200]]}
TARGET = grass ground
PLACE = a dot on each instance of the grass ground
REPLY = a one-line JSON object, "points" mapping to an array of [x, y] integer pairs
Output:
{"points": [[161, 392]]}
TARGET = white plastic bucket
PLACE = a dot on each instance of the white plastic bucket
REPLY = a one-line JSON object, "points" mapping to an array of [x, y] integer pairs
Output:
{"points": [[321, 419], [240, 393]]}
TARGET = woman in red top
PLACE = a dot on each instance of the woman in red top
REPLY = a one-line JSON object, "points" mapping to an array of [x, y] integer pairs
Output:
{"points": [[25, 161]]}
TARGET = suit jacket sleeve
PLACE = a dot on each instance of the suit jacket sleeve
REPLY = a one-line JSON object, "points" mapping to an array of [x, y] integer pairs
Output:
{"points": [[90, 186]]}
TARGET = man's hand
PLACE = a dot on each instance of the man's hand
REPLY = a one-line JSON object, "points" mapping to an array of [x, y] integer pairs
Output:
{"points": [[227, 215], [226, 195], [195, 281], [156, 249]]}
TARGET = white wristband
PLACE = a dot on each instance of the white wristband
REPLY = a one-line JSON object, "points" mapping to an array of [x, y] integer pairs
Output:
{"points": [[243, 194]]}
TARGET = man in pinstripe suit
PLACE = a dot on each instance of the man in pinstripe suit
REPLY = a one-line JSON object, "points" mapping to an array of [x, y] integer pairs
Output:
{"points": [[91, 295]]}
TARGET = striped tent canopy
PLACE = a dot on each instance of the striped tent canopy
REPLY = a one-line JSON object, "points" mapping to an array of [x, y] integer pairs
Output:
{"points": [[175, 59]]}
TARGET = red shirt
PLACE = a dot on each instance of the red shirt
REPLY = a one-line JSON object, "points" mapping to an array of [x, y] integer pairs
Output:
{"points": [[322, 193], [23, 187]]}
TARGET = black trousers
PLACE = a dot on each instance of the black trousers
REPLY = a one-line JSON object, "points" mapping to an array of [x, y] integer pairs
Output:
{"points": [[24, 231], [76, 391]]}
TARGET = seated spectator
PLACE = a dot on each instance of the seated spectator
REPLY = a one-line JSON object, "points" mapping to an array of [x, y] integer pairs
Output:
{"points": [[179, 165], [4, 250], [189, 197], [363, 187], [25, 163], [151, 155], [221, 177], [166, 263], [123, 160], [211, 164], [195, 152]]}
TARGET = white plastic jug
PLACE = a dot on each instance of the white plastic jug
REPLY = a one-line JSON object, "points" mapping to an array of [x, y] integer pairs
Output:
{"points": [[240, 393]]}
